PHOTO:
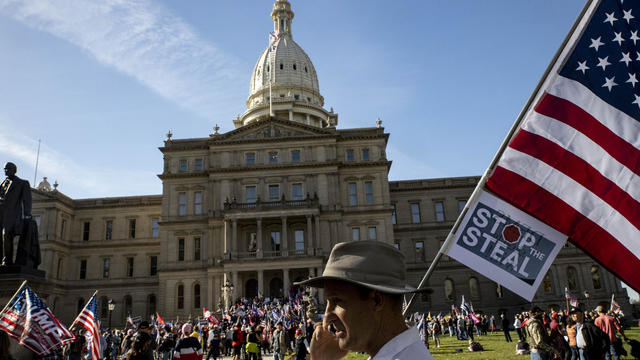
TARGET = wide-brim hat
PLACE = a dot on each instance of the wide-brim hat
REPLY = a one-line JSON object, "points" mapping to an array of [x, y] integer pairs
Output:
{"points": [[371, 264]]}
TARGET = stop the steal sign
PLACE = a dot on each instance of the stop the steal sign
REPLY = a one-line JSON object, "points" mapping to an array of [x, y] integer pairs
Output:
{"points": [[506, 245]]}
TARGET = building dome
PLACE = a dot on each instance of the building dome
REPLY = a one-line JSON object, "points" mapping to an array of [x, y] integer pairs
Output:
{"points": [[44, 185], [284, 82]]}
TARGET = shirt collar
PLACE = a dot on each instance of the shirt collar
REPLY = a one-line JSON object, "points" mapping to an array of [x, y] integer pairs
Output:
{"points": [[397, 344]]}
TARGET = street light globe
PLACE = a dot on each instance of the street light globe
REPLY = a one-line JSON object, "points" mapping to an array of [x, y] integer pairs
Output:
{"points": [[111, 305]]}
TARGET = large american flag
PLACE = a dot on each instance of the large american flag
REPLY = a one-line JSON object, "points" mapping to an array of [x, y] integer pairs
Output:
{"points": [[28, 319], [575, 161], [89, 320]]}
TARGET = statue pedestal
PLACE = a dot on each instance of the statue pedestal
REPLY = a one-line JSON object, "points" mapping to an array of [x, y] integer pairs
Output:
{"points": [[20, 270], [11, 277]]}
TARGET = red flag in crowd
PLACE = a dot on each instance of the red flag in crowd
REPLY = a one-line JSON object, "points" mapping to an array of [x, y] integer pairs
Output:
{"points": [[160, 321]]}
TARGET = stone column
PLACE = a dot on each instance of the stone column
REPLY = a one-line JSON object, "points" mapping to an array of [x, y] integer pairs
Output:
{"points": [[284, 241], [285, 282], [316, 243], [308, 244], [234, 235], [261, 282], [290, 115], [227, 236], [259, 253], [236, 286]]}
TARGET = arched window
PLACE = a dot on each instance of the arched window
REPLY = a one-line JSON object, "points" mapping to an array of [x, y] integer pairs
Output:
{"points": [[547, 285], [473, 288], [196, 296], [448, 289], [104, 309], [80, 305], [128, 306], [180, 296], [572, 280], [151, 304], [595, 277]]}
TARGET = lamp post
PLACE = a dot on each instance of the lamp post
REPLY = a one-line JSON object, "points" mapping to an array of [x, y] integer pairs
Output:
{"points": [[587, 296], [111, 306], [227, 290]]}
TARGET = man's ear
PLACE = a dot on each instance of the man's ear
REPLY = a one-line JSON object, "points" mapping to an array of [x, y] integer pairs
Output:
{"points": [[378, 300]]}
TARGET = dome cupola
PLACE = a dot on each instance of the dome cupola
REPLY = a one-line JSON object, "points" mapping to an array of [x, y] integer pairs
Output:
{"points": [[284, 82]]}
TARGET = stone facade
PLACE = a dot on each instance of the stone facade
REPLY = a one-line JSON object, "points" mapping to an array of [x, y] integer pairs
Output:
{"points": [[260, 207]]}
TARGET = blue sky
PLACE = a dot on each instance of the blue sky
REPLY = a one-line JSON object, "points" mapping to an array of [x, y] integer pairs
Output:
{"points": [[102, 82]]}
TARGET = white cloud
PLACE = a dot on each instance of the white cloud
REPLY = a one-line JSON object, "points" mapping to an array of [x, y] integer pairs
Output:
{"points": [[145, 41], [86, 180]]}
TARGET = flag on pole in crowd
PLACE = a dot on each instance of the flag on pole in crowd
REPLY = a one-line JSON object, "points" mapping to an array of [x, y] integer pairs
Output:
{"points": [[89, 320], [404, 304], [464, 307], [454, 310], [160, 321], [570, 167], [615, 307], [210, 316], [573, 301], [28, 319]]}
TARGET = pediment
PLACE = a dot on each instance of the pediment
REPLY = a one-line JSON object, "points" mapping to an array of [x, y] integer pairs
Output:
{"points": [[272, 129]]}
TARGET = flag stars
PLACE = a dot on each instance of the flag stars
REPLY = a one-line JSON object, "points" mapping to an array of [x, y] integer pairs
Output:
{"points": [[603, 62], [627, 15], [637, 100], [619, 39], [634, 36], [626, 58], [596, 43], [632, 79], [582, 66], [637, 55], [609, 83], [610, 18]]}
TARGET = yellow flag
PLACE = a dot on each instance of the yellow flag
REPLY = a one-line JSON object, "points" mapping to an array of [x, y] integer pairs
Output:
{"points": [[429, 317]]}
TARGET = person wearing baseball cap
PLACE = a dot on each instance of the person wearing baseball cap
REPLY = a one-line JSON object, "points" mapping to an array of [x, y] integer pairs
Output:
{"points": [[364, 283]]}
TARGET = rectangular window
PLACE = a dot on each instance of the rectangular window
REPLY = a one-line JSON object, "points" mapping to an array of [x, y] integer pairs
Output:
{"points": [[250, 158], [182, 204], [180, 296], [372, 233], [439, 207], [299, 238], [153, 265], [129, 267], [396, 245], [275, 240], [394, 220], [365, 154], [273, 157], [355, 234], [350, 156], [368, 192], [62, 229], [419, 251], [181, 249], [198, 165], [85, 230], [296, 190], [250, 194], [37, 220], [197, 202], [183, 166], [196, 248], [415, 213], [353, 194], [132, 228], [59, 268], [295, 156], [155, 227], [108, 233], [461, 205], [83, 269], [274, 192], [106, 263]]}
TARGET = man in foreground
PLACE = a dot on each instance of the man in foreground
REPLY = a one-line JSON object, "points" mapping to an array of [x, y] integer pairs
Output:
{"points": [[364, 282]]}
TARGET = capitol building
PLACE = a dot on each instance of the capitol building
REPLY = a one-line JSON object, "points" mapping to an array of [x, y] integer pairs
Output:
{"points": [[261, 206]]}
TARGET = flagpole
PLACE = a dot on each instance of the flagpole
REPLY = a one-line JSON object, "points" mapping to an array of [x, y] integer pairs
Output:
{"points": [[516, 125], [14, 295]]}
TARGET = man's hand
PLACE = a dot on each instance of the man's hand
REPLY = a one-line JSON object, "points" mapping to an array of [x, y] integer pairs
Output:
{"points": [[324, 345]]}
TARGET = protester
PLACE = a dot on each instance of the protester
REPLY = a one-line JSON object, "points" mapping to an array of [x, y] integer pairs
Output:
{"points": [[167, 344], [610, 326], [188, 347], [522, 348], [73, 350], [252, 345], [279, 342], [475, 346], [364, 304], [435, 332], [592, 343], [237, 340], [5, 344], [142, 344], [213, 342], [505, 327], [540, 347]]}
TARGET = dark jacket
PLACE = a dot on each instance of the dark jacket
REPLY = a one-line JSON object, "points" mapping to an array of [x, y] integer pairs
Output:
{"points": [[597, 341], [16, 202]]}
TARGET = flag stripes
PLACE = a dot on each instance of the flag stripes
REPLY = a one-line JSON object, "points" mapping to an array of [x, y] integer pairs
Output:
{"points": [[88, 320]]}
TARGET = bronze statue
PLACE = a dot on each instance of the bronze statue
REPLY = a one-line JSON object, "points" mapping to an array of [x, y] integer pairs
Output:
{"points": [[15, 207]]}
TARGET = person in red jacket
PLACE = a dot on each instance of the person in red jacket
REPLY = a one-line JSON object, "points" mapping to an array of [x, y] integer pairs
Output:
{"points": [[236, 342]]}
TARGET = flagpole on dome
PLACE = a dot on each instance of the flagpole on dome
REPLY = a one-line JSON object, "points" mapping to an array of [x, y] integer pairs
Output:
{"points": [[516, 125], [14, 295]]}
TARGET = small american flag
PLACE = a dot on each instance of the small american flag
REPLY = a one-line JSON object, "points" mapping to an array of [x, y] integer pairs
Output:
{"points": [[88, 319], [28, 319], [573, 301], [575, 161]]}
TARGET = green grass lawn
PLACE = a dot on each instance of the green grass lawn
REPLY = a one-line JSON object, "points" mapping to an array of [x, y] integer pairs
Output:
{"points": [[494, 345]]}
